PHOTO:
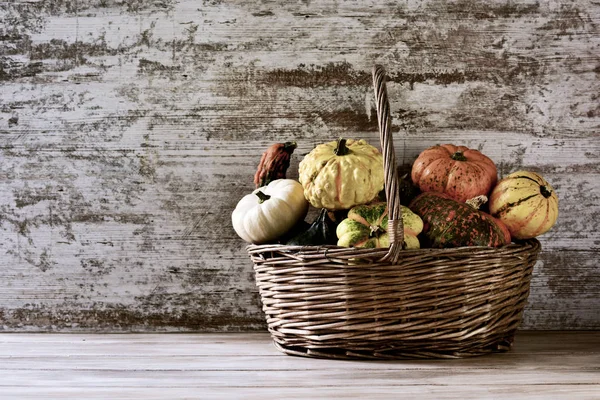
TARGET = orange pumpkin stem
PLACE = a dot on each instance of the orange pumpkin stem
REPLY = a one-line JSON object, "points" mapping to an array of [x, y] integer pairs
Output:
{"points": [[458, 156]]}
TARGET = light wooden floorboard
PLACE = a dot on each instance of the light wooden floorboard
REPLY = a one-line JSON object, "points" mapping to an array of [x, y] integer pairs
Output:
{"points": [[542, 365]]}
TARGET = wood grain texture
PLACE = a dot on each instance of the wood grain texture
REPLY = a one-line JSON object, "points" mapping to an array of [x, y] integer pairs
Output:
{"points": [[130, 129], [542, 365]]}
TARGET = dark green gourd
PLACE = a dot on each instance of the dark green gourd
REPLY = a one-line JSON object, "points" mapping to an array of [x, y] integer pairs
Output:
{"points": [[408, 190], [451, 223], [320, 232]]}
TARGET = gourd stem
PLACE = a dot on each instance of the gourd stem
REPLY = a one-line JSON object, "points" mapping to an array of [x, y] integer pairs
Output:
{"points": [[545, 192], [376, 231], [477, 202], [289, 147], [262, 197], [458, 156], [341, 149]]}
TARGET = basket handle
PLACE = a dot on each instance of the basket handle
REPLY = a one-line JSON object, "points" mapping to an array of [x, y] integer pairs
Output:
{"points": [[392, 188]]}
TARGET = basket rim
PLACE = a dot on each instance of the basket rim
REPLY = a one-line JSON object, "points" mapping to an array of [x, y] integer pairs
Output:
{"points": [[331, 250]]}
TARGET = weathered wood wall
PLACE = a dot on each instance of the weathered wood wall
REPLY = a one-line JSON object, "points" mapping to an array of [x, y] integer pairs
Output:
{"points": [[129, 129]]}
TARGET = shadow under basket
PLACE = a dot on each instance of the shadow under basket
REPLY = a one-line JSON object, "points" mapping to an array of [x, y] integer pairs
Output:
{"points": [[349, 303]]}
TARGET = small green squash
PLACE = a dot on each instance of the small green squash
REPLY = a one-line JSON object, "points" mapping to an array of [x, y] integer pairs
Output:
{"points": [[366, 227]]}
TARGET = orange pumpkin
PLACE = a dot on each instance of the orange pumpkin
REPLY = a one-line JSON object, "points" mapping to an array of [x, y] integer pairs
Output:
{"points": [[526, 203], [457, 171]]}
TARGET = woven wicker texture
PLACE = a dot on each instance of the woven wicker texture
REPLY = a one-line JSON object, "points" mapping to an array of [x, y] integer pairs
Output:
{"points": [[334, 302]]}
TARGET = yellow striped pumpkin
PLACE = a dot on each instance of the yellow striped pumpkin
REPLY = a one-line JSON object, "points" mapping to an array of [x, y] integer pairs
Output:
{"points": [[526, 203]]}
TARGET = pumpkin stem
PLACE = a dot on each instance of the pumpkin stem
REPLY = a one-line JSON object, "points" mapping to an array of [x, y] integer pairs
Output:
{"points": [[341, 149], [262, 197], [458, 156], [545, 192]]}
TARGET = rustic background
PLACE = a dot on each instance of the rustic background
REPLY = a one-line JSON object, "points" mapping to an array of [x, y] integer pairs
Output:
{"points": [[129, 129]]}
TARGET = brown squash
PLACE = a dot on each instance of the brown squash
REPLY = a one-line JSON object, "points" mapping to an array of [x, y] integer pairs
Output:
{"points": [[274, 163], [451, 223], [457, 171]]}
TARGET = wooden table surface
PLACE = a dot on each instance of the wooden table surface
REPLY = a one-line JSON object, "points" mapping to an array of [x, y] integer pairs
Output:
{"points": [[542, 365]]}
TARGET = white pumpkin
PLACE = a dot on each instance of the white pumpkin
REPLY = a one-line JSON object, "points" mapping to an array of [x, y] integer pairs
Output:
{"points": [[269, 211]]}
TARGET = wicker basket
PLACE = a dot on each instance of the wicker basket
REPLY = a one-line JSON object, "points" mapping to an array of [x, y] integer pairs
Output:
{"points": [[335, 302]]}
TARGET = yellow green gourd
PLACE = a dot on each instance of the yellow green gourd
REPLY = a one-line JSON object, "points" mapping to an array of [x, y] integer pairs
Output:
{"points": [[366, 227], [341, 174]]}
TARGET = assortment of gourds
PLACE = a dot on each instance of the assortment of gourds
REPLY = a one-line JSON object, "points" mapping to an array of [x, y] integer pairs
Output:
{"points": [[441, 198]]}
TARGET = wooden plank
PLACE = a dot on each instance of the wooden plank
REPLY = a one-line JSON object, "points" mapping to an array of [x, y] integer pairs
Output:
{"points": [[527, 339], [565, 290], [245, 366], [246, 344], [537, 392], [125, 145], [557, 365], [273, 378]]}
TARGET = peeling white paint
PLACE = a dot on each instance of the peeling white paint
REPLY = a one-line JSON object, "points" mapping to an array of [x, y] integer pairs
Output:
{"points": [[125, 149]]}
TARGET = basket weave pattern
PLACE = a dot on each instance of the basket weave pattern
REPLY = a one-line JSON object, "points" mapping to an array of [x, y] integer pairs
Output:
{"points": [[334, 302]]}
